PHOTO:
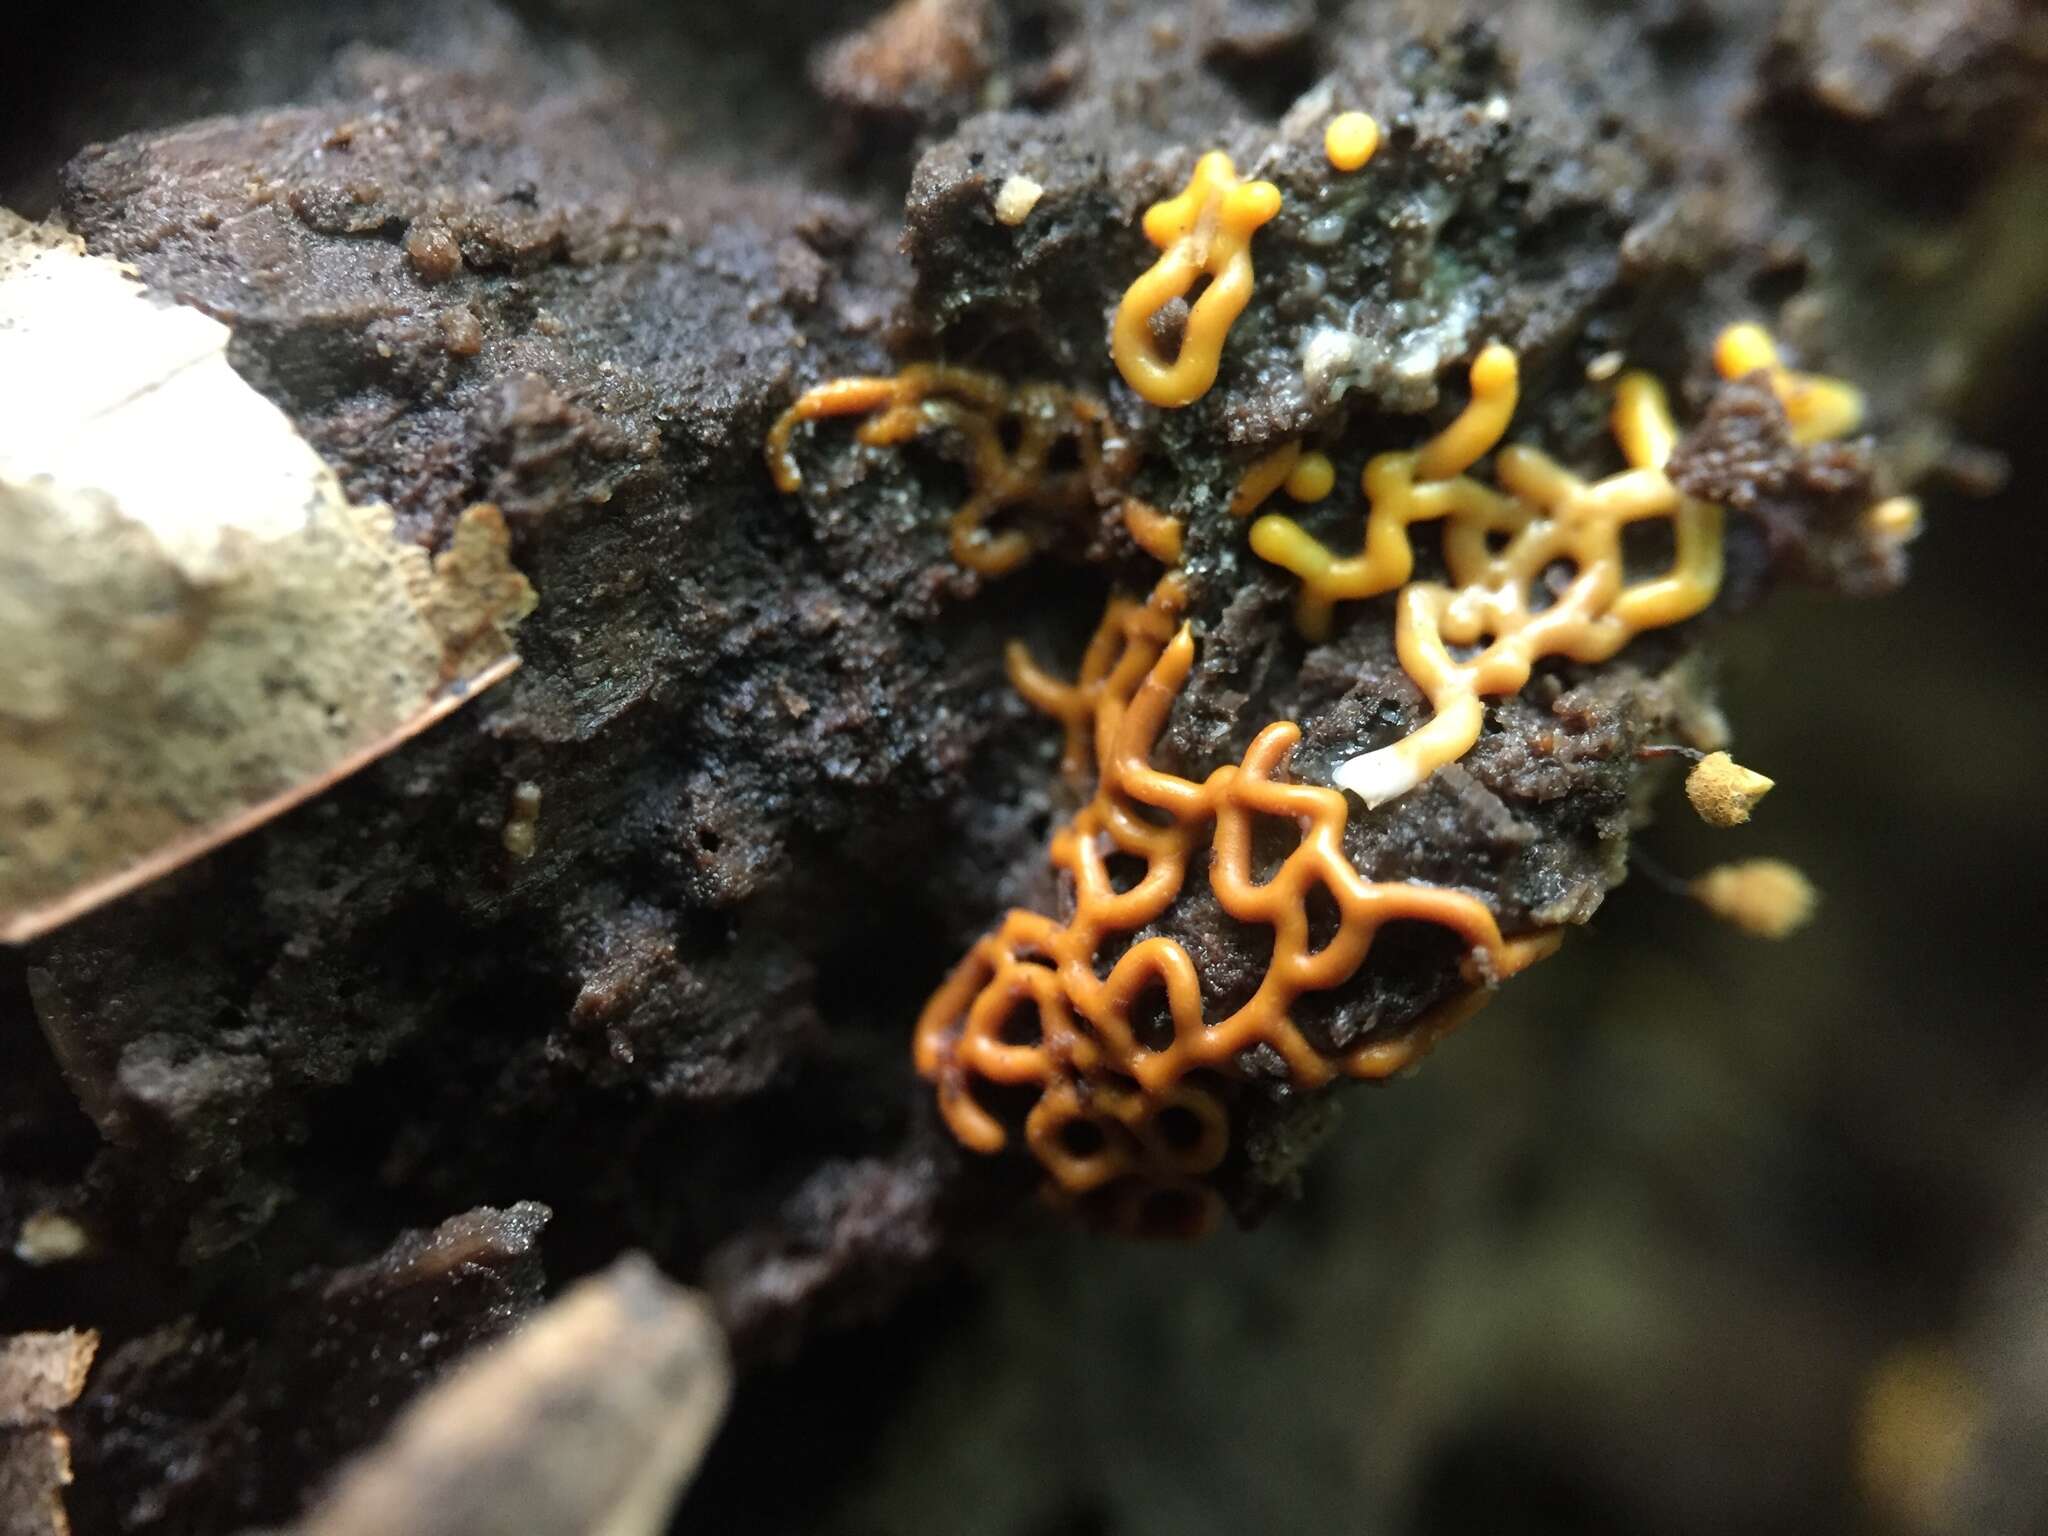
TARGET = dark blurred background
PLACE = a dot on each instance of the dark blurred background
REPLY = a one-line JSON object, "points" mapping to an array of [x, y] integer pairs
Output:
{"points": [[1687, 1233]]}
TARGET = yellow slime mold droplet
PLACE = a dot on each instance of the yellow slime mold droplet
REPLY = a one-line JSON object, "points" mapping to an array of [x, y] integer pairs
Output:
{"points": [[1350, 140], [1312, 478]]}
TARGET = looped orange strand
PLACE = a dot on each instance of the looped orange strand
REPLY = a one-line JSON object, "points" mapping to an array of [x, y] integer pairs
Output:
{"points": [[972, 409], [1159, 534], [1140, 1122], [1499, 545], [1206, 230], [1819, 408], [1397, 488], [1550, 518], [1264, 476]]}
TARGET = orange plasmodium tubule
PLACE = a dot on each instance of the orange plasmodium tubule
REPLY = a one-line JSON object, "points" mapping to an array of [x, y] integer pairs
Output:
{"points": [[1128, 1070], [1480, 633], [1100, 1018], [1206, 230], [1007, 435]]}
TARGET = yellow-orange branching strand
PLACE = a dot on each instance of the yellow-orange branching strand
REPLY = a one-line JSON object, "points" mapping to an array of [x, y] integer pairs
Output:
{"points": [[1131, 1117], [1206, 230], [1006, 435]]}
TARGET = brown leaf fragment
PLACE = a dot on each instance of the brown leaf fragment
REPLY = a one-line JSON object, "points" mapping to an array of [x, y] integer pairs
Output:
{"points": [[591, 1417], [40, 1375]]}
